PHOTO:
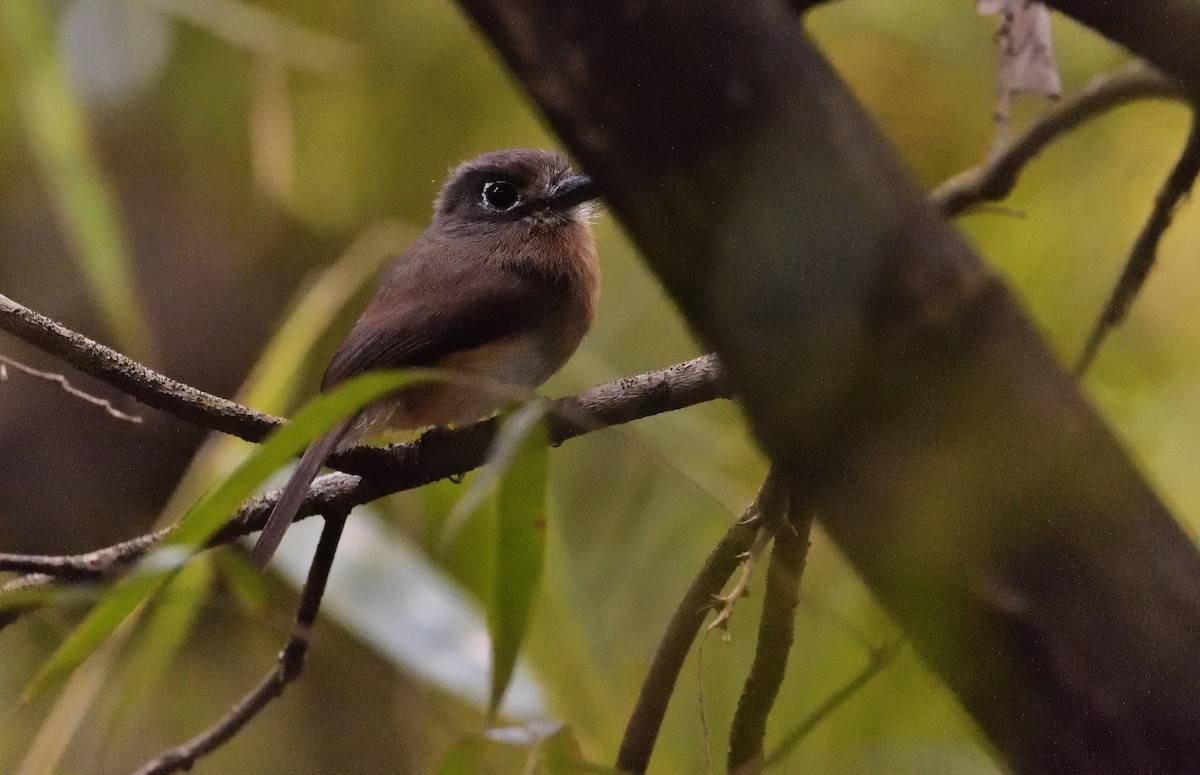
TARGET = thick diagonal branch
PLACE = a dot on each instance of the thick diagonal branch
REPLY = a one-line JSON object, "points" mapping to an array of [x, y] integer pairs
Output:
{"points": [[949, 455]]}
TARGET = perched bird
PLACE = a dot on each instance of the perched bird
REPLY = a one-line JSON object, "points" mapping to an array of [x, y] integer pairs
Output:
{"points": [[502, 285]]}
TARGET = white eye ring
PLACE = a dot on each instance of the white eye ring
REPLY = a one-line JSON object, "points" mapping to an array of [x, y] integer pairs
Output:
{"points": [[500, 195]]}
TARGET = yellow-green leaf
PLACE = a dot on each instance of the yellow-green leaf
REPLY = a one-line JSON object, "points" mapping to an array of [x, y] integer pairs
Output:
{"points": [[166, 628], [245, 582], [520, 541]]}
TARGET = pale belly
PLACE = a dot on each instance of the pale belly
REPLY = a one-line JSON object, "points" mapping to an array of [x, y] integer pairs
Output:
{"points": [[520, 365]]}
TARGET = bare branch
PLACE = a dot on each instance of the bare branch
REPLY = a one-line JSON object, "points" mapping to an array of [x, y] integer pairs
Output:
{"points": [[1141, 258], [617, 402], [791, 528], [62, 382], [82, 566], [438, 454], [995, 179], [641, 733], [130, 377], [287, 669], [880, 360]]}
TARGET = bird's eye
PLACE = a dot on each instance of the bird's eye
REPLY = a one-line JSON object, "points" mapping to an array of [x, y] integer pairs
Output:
{"points": [[500, 195]]}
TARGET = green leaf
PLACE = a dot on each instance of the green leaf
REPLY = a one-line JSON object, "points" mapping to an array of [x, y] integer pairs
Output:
{"points": [[59, 136], [312, 421], [508, 441], [154, 646], [467, 555], [245, 582], [466, 758], [60, 726], [520, 541], [209, 514], [95, 628]]}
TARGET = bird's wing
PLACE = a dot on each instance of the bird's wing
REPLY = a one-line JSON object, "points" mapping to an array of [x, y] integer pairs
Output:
{"points": [[427, 309], [423, 311]]}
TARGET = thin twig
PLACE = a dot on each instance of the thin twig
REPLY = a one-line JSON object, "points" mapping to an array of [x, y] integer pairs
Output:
{"points": [[641, 732], [132, 378], [996, 178], [776, 627], [78, 567], [880, 659], [288, 667], [1141, 258], [62, 382]]}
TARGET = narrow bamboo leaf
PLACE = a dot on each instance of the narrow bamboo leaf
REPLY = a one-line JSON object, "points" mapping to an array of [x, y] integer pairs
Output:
{"points": [[207, 516], [466, 758], [112, 609], [245, 582], [509, 438], [313, 420], [59, 136], [166, 628], [382, 590], [520, 544], [467, 555], [269, 387]]}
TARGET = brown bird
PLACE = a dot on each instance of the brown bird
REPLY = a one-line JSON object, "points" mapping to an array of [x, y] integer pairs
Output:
{"points": [[502, 285]]}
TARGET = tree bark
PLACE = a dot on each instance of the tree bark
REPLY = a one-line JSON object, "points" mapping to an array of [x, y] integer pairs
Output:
{"points": [[948, 454]]}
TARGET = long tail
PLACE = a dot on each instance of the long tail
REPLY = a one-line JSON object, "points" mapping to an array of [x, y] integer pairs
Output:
{"points": [[294, 493]]}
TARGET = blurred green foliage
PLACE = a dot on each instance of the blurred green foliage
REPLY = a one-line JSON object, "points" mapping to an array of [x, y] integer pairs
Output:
{"points": [[255, 144], [58, 134]]}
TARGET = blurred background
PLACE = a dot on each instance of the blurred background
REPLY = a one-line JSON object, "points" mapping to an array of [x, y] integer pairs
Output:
{"points": [[210, 186]]}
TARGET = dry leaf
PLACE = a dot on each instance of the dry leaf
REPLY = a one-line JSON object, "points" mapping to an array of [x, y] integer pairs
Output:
{"points": [[1024, 54], [1023, 46]]}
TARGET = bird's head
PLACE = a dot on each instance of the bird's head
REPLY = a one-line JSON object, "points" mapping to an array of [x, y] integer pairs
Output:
{"points": [[522, 186]]}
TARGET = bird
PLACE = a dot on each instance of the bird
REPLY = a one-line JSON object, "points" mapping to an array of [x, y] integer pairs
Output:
{"points": [[502, 286]]}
